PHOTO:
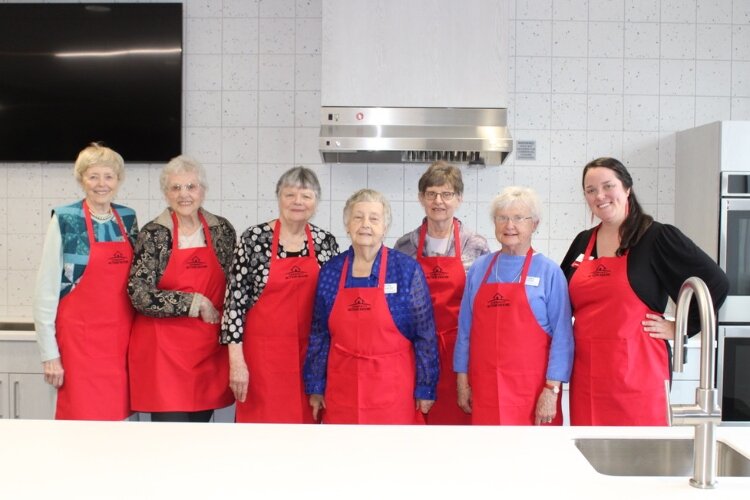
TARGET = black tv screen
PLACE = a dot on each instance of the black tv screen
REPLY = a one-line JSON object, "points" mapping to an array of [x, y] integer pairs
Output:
{"points": [[71, 74]]}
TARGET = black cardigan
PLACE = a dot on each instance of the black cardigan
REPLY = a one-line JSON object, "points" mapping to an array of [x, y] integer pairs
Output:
{"points": [[658, 265]]}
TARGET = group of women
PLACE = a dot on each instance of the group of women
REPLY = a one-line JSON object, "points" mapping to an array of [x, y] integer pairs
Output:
{"points": [[178, 319]]}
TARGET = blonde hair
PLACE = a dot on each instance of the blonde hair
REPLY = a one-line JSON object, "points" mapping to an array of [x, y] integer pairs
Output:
{"points": [[96, 154], [367, 195]]}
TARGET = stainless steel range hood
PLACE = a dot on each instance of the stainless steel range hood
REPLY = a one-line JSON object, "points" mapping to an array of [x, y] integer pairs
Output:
{"points": [[475, 136]]}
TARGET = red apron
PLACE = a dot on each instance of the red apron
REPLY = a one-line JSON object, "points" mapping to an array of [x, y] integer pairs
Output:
{"points": [[618, 371], [446, 279], [371, 366], [93, 328], [277, 328], [508, 354], [177, 364]]}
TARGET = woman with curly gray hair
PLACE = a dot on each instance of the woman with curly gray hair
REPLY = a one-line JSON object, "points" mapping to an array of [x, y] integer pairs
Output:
{"points": [[178, 369]]}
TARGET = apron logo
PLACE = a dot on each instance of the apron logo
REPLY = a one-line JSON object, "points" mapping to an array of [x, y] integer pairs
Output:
{"points": [[359, 304], [437, 273], [195, 262], [600, 272], [498, 300], [295, 273], [118, 258]]}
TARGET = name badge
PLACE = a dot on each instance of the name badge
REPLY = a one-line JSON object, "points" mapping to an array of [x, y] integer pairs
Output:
{"points": [[532, 280], [578, 261], [391, 287]]}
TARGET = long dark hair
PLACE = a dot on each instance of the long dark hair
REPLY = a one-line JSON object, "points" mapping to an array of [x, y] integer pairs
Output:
{"points": [[636, 221]]}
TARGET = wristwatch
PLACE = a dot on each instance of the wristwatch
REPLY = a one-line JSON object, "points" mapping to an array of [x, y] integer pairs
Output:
{"points": [[552, 387]]}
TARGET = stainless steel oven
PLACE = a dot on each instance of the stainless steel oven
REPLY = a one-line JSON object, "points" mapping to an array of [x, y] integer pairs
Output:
{"points": [[734, 245], [733, 370]]}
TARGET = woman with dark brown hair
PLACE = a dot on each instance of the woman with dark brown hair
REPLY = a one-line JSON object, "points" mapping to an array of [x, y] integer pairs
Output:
{"points": [[621, 274]]}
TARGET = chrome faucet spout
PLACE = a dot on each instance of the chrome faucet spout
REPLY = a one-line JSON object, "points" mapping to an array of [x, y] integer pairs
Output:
{"points": [[705, 413]]}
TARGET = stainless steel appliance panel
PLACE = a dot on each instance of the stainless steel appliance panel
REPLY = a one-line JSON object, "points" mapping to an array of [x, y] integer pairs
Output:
{"points": [[733, 368], [734, 258]]}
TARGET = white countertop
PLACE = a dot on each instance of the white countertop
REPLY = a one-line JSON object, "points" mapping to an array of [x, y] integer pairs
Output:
{"points": [[124, 460]]}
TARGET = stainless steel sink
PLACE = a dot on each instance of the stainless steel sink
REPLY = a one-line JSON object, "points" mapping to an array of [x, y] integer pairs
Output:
{"points": [[656, 457]]}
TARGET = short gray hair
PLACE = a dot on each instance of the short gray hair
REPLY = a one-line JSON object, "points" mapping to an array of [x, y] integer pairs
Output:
{"points": [[367, 195], [299, 177], [182, 165], [517, 195]]}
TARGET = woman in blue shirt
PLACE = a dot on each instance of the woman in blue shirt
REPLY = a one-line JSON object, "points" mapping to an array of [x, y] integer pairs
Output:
{"points": [[372, 350], [515, 338]]}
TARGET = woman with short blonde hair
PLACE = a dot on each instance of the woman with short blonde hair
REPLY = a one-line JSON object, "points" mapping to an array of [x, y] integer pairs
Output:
{"points": [[81, 308]]}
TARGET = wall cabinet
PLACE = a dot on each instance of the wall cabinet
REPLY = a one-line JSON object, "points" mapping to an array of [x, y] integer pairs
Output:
{"points": [[23, 391]]}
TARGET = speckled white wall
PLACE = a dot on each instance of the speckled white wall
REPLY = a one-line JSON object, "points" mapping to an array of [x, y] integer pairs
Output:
{"points": [[587, 78]]}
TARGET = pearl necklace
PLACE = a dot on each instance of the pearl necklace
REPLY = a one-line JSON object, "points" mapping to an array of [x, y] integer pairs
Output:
{"points": [[101, 217]]}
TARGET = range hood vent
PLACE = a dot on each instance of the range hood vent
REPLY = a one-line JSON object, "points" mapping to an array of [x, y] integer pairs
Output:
{"points": [[474, 136]]}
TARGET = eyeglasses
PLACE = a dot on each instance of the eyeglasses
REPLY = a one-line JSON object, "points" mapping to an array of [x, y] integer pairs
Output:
{"points": [[190, 188], [516, 219], [445, 195]]}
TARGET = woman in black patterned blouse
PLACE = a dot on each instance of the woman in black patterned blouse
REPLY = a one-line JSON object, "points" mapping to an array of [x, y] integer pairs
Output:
{"points": [[178, 369], [269, 302]]}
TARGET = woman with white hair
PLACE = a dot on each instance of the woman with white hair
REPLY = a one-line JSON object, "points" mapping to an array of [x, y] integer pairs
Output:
{"points": [[372, 356], [515, 337], [178, 369], [269, 303], [81, 309]]}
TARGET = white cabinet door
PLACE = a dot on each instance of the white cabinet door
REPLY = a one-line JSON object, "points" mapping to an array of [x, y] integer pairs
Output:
{"points": [[4, 396], [31, 396]]}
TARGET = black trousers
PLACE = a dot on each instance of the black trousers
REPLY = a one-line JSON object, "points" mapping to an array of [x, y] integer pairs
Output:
{"points": [[182, 416]]}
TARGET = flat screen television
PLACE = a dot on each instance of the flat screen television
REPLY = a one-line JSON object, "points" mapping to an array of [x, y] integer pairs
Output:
{"points": [[71, 74]]}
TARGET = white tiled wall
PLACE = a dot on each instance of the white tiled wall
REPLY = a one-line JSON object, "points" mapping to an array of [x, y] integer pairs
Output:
{"points": [[587, 78]]}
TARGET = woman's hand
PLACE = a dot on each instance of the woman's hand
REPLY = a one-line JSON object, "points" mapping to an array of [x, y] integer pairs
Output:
{"points": [[546, 407], [424, 405], [464, 392], [239, 376], [318, 403], [54, 374], [658, 327], [207, 311]]}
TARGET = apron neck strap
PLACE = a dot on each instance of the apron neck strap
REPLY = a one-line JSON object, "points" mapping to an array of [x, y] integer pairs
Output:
{"points": [[489, 268], [276, 236], [423, 237], [176, 231], [90, 224], [524, 270], [381, 272], [590, 245]]}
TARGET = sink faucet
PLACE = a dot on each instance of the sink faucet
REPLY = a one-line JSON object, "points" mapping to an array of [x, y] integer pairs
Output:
{"points": [[705, 413]]}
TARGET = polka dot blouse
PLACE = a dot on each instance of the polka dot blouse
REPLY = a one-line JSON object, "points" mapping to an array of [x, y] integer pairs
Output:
{"points": [[250, 269]]}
